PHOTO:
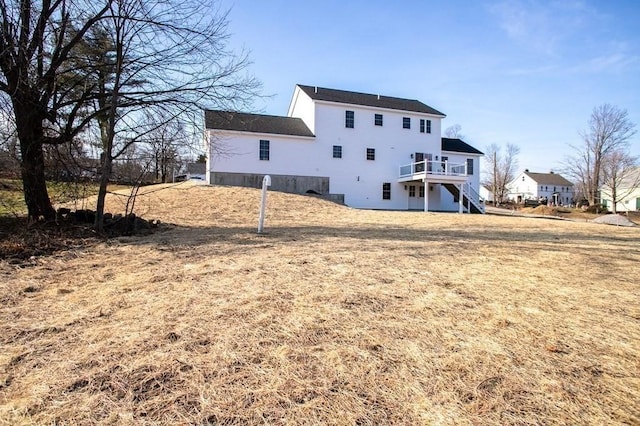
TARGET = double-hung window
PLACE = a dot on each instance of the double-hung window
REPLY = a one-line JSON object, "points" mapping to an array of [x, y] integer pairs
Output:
{"points": [[264, 150], [371, 154], [470, 166], [349, 119], [386, 191], [377, 120], [406, 122], [421, 125], [428, 126], [337, 151]]}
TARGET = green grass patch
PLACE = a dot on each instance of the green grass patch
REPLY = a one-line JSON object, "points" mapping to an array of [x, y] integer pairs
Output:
{"points": [[12, 196]]}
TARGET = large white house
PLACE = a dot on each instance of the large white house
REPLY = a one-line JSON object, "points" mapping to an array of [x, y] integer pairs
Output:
{"points": [[627, 193], [368, 151], [551, 187]]}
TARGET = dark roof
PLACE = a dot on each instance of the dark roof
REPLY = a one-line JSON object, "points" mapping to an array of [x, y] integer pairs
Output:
{"points": [[548, 178], [458, 145], [355, 98], [255, 123]]}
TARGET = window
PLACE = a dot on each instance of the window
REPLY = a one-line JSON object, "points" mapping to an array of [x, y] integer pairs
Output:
{"points": [[378, 120], [337, 151], [349, 119], [428, 126], [421, 191], [421, 125], [264, 150], [469, 166], [406, 122], [412, 190], [386, 191], [371, 154]]}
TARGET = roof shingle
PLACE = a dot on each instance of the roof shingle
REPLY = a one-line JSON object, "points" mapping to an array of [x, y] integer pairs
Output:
{"points": [[256, 123], [548, 178], [355, 98], [458, 145]]}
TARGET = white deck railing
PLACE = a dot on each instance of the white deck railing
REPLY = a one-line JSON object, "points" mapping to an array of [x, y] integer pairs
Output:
{"points": [[441, 168], [474, 196]]}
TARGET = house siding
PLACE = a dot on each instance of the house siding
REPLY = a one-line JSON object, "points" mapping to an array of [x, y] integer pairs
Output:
{"points": [[353, 176]]}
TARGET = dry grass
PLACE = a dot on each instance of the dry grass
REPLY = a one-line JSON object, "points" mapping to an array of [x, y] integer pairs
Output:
{"points": [[334, 316]]}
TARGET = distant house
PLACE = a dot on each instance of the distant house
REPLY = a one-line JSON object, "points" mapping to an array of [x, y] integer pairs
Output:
{"points": [[548, 187], [486, 194], [197, 171], [627, 193], [366, 150]]}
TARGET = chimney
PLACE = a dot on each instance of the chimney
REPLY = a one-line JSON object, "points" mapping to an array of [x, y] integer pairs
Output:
{"points": [[526, 170], [315, 89], [378, 97], [550, 172]]}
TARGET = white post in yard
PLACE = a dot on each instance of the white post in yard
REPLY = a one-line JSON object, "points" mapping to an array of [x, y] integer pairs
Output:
{"points": [[266, 181], [460, 201]]}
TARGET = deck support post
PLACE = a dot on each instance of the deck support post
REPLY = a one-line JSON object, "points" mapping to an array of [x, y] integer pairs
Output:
{"points": [[426, 195]]}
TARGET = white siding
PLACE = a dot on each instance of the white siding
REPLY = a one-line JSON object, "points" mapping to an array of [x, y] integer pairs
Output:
{"points": [[359, 179]]}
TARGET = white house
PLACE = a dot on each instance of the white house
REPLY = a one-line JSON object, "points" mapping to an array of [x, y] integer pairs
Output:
{"points": [[627, 193], [368, 151], [550, 187]]}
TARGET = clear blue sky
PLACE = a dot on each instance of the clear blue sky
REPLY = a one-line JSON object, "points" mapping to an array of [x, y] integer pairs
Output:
{"points": [[525, 72]]}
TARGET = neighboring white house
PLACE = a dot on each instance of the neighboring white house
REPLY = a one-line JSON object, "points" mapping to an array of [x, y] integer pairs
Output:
{"points": [[486, 194], [368, 151], [550, 187], [627, 193]]}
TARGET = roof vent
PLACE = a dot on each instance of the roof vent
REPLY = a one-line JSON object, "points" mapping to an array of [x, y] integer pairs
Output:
{"points": [[550, 172], [378, 97], [315, 89], [526, 170]]}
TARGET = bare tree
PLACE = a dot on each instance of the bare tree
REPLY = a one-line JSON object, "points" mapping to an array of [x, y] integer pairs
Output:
{"points": [[454, 132], [171, 58], [165, 143], [501, 169], [36, 39], [609, 130], [620, 176]]}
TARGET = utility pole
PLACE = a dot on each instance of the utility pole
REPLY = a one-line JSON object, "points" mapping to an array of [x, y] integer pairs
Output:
{"points": [[495, 179]]}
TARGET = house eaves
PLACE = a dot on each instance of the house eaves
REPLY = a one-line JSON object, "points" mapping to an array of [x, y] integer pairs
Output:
{"points": [[369, 100]]}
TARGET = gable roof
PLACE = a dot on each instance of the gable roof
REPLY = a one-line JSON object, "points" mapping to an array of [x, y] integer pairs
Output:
{"points": [[256, 123], [365, 99], [548, 178], [458, 145]]}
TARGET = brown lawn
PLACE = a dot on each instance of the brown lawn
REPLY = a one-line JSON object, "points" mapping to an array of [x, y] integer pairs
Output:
{"points": [[334, 316]]}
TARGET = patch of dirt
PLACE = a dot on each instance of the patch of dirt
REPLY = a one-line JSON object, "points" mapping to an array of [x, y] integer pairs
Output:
{"points": [[21, 241]]}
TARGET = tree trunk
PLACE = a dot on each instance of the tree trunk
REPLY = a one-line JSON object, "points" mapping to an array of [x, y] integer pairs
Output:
{"points": [[102, 192], [31, 135]]}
